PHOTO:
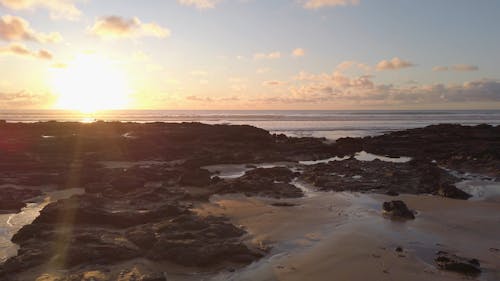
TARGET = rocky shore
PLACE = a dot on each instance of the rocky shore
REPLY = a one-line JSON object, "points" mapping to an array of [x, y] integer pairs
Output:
{"points": [[143, 180]]}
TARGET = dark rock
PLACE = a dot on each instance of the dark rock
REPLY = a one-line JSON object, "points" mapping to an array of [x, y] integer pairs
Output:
{"points": [[414, 177], [268, 182], [12, 200], [284, 204], [195, 177], [93, 210], [143, 237], [281, 174], [127, 183], [451, 262], [392, 193], [451, 191], [397, 210]]}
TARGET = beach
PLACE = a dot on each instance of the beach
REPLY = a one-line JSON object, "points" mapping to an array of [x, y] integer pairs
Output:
{"points": [[191, 201]]}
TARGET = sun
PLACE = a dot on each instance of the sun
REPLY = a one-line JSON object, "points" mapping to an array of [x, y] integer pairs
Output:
{"points": [[90, 83]]}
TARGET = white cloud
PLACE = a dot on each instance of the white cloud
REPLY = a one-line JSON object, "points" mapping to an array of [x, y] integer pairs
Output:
{"points": [[114, 27], [59, 9], [14, 28]]}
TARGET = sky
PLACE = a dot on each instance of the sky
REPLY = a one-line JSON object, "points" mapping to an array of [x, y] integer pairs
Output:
{"points": [[249, 54]]}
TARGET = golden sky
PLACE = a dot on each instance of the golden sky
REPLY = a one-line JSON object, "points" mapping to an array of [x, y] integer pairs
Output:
{"points": [[249, 54]]}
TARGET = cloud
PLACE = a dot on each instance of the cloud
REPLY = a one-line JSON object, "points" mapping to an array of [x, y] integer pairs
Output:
{"points": [[464, 67], [114, 27], [199, 99], [14, 28], [345, 65], [59, 9], [200, 4], [25, 99], [394, 64], [316, 4], [21, 50], [273, 55], [440, 68], [338, 87], [273, 83], [211, 100], [299, 52], [44, 54], [456, 67]]}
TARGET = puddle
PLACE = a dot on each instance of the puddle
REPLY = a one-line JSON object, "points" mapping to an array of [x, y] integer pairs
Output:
{"points": [[365, 156], [321, 161], [361, 156], [232, 171], [12, 223]]}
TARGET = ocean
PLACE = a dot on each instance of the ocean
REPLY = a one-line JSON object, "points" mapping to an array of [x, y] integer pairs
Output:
{"points": [[331, 124]]}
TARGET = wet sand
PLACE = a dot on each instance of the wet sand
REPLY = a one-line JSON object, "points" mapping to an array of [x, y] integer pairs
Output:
{"points": [[343, 236]]}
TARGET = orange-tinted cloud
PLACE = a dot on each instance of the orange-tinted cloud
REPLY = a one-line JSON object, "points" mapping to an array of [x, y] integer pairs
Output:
{"points": [[464, 67], [299, 52], [394, 64], [456, 67], [25, 99], [14, 28], [113, 27], [200, 4], [23, 51], [316, 4], [338, 87], [59, 9], [273, 83]]}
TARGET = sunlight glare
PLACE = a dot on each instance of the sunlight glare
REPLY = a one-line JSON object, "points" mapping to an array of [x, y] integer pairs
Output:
{"points": [[90, 83]]}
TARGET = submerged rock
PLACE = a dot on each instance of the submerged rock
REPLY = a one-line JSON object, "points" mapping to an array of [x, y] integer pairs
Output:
{"points": [[451, 262], [397, 210]]}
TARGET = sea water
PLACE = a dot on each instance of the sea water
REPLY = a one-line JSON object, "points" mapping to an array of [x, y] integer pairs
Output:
{"points": [[331, 124]]}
